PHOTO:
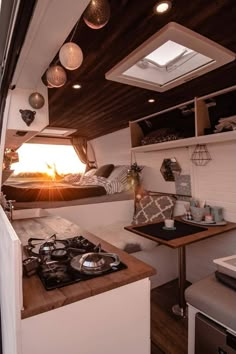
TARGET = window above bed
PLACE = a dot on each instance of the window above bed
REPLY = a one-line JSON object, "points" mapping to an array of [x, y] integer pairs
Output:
{"points": [[47, 160]]}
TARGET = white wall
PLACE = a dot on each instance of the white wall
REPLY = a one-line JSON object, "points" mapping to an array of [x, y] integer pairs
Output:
{"points": [[113, 148], [20, 100], [215, 183]]}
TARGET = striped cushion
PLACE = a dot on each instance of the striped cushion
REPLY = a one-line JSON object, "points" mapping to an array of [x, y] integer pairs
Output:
{"points": [[111, 187], [119, 174]]}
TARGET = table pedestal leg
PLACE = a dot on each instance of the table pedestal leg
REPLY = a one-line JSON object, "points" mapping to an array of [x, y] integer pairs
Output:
{"points": [[180, 309]]}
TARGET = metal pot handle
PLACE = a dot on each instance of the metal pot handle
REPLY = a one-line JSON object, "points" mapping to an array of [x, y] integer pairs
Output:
{"points": [[83, 259], [112, 255], [116, 259]]}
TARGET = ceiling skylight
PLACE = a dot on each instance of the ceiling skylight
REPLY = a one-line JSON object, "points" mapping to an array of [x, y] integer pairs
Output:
{"points": [[56, 132], [167, 63], [172, 56], [168, 52]]}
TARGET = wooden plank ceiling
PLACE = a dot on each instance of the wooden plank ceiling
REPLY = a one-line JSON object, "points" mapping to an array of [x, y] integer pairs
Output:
{"points": [[101, 106]]}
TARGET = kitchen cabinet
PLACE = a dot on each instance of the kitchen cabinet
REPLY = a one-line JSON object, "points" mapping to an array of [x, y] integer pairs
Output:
{"points": [[93, 316], [211, 319], [194, 120]]}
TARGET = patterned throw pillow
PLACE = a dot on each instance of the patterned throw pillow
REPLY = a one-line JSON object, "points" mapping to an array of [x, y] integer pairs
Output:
{"points": [[72, 177], [153, 208]]}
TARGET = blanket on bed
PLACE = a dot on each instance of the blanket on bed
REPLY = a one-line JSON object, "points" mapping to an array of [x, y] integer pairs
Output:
{"points": [[29, 191]]}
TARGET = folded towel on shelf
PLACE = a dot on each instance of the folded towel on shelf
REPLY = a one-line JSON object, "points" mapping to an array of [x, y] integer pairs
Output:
{"points": [[227, 123]]}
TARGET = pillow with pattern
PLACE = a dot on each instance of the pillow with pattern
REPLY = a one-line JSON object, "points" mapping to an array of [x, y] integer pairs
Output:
{"points": [[153, 208], [72, 177]]}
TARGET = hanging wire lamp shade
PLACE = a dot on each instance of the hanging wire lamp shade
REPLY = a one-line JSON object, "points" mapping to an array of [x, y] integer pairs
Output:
{"points": [[200, 155], [71, 56], [97, 14], [56, 76]]}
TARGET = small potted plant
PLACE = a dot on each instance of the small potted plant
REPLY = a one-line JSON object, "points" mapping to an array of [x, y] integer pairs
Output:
{"points": [[133, 175]]}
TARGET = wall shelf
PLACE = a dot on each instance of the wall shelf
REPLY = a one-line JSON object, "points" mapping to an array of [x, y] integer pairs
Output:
{"points": [[204, 115], [206, 139]]}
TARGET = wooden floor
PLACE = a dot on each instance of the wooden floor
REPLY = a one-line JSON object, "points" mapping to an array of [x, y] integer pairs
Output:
{"points": [[168, 332]]}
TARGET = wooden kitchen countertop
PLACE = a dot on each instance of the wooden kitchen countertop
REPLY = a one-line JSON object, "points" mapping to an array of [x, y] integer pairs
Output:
{"points": [[37, 300]]}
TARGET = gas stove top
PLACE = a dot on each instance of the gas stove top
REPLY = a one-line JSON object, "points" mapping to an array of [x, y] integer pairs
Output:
{"points": [[61, 262]]}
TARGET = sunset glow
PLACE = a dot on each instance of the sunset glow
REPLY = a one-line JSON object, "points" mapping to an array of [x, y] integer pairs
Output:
{"points": [[45, 158]]}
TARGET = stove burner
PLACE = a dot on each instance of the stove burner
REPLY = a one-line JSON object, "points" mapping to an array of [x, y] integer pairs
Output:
{"points": [[38, 247], [59, 254], [47, 248], [55, 256], [55, 273]]}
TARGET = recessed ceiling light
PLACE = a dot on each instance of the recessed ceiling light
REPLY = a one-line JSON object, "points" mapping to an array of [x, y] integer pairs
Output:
{"points": [[76, 86], [151, 100], [163, 6]]}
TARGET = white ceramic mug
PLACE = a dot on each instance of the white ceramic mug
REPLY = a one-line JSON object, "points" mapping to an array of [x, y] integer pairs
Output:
{"points": [[169, 223]]}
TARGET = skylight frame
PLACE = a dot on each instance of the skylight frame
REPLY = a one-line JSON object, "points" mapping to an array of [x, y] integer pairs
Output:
{"points": [[183, 36], [56, 132]]}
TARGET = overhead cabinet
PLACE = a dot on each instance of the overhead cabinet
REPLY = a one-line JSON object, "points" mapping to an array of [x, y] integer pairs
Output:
{"points": [[208, 119]]}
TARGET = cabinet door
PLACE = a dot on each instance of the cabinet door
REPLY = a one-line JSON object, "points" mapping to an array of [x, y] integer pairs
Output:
{"points": [[10, 287], [211, 338]]}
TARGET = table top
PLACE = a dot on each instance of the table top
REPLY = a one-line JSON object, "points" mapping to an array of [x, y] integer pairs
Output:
{"points": [[37, 300], [208, 231]]}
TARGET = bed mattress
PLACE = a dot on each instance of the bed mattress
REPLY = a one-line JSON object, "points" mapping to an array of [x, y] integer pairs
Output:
{"points": [[49, 191]]}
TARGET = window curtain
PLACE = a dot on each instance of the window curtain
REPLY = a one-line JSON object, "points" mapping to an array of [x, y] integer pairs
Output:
{"points": [[80, 145]]}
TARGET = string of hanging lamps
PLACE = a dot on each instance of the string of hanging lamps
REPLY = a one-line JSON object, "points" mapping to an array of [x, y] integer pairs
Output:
{"points": [[71, 58], [96, 16]]}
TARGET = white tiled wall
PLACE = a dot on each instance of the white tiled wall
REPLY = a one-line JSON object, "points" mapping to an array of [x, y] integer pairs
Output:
{"points": [[215, 183]]}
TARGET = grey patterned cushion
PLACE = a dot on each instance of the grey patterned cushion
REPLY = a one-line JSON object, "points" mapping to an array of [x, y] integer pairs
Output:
{"points": [[153, 208]]}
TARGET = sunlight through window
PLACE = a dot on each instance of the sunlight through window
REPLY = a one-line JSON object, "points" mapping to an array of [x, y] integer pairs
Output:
{"points": [[48, 159]]}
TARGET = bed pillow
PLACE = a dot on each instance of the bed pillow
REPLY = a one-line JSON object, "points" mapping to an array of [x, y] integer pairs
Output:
{"points": [[91, 172], [153, 208], [120, 174], [104, 171]]}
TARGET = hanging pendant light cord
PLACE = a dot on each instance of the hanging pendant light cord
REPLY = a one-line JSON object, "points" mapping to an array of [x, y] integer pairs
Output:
{"points": [[74, 31]]}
